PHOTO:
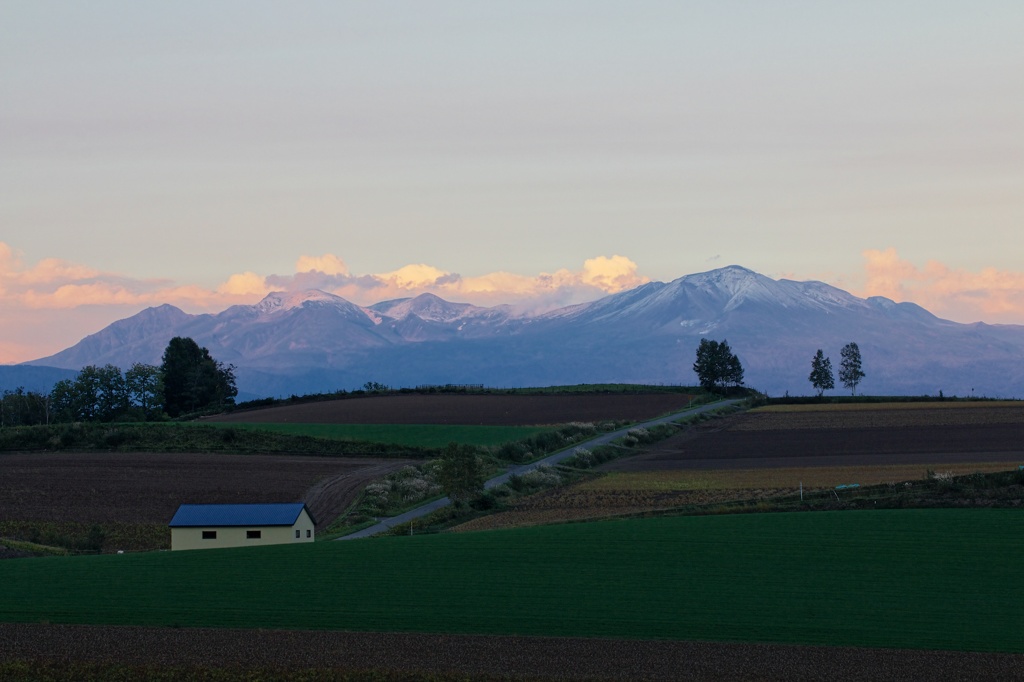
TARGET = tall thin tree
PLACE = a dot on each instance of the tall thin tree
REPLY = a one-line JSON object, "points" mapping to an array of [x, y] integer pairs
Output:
{"points": [[850, 369], [821, 373]]}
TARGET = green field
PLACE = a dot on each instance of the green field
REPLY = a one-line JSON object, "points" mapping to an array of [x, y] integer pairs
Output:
{"points": [[414, 435], [926, 579]]}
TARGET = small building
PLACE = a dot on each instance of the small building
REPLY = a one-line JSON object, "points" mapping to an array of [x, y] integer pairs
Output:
{"points": [[209, 526]]}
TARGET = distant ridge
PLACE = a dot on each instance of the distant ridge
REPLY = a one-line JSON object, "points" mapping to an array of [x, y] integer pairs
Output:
{"points": [[32, 378], [313, 341]]}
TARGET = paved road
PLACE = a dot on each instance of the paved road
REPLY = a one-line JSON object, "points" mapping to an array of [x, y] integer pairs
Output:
{"points": [[603, 439]]}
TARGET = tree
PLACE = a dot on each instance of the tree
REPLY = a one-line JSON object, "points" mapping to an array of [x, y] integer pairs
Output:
{"points": [[63, 397], [821, 373], [850, 372], [112, 392], [717, 366], [193, 380], [145, 389], [96, 394], [22, 408], [460, 472]]}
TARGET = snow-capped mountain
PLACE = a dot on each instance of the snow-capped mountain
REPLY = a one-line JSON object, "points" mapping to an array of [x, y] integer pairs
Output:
{"points": [[311, 341]]}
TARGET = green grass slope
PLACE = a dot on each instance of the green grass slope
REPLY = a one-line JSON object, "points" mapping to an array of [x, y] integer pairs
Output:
{"points": [[929, 579]]}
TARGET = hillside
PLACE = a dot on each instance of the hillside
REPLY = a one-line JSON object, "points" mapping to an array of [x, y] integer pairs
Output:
{"points": [[312, 341]]}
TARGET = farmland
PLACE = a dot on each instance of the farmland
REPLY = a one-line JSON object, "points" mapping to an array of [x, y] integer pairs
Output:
{"points": [[513, 603], [467, 410], [926, 579], [772, 452], [865, 435], [132, 496], [412, 435]]}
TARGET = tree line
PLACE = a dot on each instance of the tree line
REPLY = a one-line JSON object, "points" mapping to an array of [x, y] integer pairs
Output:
{"points": [[188, 380], [719, 370], [851, 370]]}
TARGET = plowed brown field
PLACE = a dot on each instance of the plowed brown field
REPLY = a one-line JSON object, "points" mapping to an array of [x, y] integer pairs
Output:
{"points": [[486, 410], [146, 488], [395, 656], [838, 437]]}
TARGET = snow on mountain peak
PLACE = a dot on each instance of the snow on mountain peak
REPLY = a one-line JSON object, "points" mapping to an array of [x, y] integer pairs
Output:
{"points": [[740, 285], [279, 301], [426, 307]]}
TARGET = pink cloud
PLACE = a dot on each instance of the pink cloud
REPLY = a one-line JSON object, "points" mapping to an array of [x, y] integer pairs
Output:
{"points": [[244, 284], [44, 295], [599, 276], [991, 295], [329, 264]]}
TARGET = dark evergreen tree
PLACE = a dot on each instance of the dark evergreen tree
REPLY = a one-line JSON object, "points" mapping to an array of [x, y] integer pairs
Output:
{"points": [[850, 370], [821, 373], [193, 380], [717, 366]]}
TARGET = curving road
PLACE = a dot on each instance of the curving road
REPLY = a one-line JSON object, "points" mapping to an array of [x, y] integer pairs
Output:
{"points": [[603, 439]]}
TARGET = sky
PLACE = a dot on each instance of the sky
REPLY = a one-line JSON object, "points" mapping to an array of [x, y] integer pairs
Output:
{"points": [[537, 153]]}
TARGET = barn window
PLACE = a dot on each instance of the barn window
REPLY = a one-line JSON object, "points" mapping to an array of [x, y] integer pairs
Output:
{"points": [[253, 534], [298, 534], [309, 533], [209, 535]]}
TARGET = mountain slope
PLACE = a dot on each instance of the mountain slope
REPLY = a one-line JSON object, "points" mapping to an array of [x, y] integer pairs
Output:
{"points": [[314, 341]]}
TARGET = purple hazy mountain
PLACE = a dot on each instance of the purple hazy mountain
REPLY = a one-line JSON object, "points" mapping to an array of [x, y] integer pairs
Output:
{"points": [[312, 341]]}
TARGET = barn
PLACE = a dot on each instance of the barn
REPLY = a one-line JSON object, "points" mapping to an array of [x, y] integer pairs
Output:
{"points": [[209, 526]]}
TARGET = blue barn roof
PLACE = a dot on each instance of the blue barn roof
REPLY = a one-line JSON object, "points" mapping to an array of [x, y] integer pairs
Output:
{"points": [[207, 515]]}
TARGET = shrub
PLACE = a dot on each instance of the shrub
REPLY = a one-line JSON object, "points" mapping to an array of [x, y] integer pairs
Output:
{"points": [[583, 458], [640, 433], [514, 452], [484, 501], [541, 477]]}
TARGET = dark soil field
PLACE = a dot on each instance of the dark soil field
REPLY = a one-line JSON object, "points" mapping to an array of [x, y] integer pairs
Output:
{"points": [[841, 437], [485, 410], [270, 655], [146, 488]]}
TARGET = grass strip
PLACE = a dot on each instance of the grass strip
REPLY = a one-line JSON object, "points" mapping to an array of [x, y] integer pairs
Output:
{"points": [[188, 437]]}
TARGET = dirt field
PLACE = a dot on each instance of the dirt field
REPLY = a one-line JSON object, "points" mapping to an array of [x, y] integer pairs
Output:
{"points": [[841, 438], [486, 410], [409, 656], [146, 488]]}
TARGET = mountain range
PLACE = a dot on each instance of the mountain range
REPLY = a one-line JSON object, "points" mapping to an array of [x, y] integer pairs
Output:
{"points": [[313, 341]]}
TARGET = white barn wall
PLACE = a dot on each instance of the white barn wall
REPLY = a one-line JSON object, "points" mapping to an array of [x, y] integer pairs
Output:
{"points": [[235, 536]]}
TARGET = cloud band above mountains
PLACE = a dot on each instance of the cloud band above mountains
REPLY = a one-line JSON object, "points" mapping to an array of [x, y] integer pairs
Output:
{"points": [[38, 297], [58, 284]]}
